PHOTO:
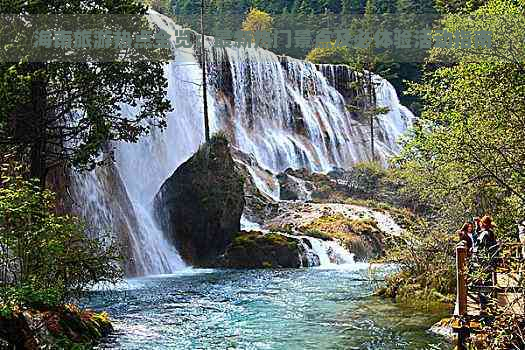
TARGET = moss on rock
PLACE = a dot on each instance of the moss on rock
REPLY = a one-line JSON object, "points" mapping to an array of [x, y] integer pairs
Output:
{"points": [[201, 204], [255, 249], [360, 236]]}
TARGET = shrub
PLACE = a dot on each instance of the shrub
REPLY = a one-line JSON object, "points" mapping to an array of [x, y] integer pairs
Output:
{"points": [[425, 260], [364, 178], [47, 258], [329, 55]]}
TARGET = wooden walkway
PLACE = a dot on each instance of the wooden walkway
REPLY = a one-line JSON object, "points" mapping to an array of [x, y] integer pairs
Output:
{"points": [[504, 287]]}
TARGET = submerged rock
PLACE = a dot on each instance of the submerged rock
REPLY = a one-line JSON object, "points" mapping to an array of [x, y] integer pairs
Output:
{"points": [[201, 204], [264, 250]]}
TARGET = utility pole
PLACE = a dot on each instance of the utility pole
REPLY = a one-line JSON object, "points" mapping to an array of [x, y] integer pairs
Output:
{"points": [[204, 78]]}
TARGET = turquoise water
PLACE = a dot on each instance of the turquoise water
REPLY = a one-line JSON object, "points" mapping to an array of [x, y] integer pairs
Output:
{"points": [[261, 309]]}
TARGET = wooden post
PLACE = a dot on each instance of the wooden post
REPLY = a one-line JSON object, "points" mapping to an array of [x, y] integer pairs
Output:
{"points": [[461, 299], [461, 280]]}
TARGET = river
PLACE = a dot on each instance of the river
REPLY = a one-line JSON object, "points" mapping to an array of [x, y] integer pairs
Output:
{"points": [[310, 308]]}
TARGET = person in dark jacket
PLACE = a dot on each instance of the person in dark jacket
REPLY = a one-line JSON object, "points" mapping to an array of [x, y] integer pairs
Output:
{"points": [[466, 235], [487, 239], [487, 258]]}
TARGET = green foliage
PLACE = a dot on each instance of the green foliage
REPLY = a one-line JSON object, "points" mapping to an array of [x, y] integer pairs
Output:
{"points": [[300, 7], [425, 259], [329, 55], [46, 258], [161, 6], [25, 294], [465, 155], [56, 112], [257, 20], [458, 6], [364, 177]]}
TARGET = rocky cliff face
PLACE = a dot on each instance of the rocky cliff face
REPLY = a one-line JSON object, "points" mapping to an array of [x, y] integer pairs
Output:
{"points": [[200, 205]]}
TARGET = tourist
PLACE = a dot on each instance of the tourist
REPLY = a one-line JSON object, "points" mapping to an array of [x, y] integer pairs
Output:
{"points": [[477, 229], [487, 249], [477, 224], [466, 235], [487, 239]]}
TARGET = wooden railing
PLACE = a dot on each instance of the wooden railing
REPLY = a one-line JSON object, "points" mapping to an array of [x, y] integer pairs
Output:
{"points": [[505, 286]]}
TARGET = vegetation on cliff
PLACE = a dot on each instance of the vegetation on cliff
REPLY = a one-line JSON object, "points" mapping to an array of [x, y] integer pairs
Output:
{"points": [[67, 113], [59, 115], [465, 155]]}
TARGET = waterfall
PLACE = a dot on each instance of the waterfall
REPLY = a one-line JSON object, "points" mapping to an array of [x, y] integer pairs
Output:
{"points": [[320, 250], [280, 112], [330, 253]]}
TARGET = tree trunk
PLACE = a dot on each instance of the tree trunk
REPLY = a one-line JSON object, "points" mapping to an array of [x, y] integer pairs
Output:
{"points": [[371, 107], [204, 82], [38, 168]]}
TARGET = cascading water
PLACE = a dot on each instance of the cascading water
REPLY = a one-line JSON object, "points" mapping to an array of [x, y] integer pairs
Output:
{"points": [[330, 252], [281, 112]]}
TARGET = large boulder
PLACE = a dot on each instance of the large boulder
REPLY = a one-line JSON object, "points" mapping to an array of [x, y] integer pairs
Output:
{"points": [[256, 249], [201, 204]]}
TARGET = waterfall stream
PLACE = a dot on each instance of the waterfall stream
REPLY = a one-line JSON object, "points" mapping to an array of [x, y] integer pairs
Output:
{"points": [[281, 112]]}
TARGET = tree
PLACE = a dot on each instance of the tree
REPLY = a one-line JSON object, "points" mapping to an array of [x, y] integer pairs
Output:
{"points": [[257, 20], [57, 113], [366, 61], [458, 6], [466, 153], [161, 6], [329, 55]]}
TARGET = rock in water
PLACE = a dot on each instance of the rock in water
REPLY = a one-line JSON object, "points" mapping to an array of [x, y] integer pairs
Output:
{"points": [[264, 250], [201, 204]]}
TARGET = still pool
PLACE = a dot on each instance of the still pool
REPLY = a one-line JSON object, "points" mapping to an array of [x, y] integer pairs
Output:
{"points": [[261, 309]]}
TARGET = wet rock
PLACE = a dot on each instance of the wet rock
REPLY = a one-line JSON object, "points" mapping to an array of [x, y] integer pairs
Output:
{"points": [[293, 187], [264, 250], [31, 329], [201, 204]]}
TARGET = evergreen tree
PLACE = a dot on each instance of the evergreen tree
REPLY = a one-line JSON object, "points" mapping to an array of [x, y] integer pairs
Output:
{"points": [[56, 113]]}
